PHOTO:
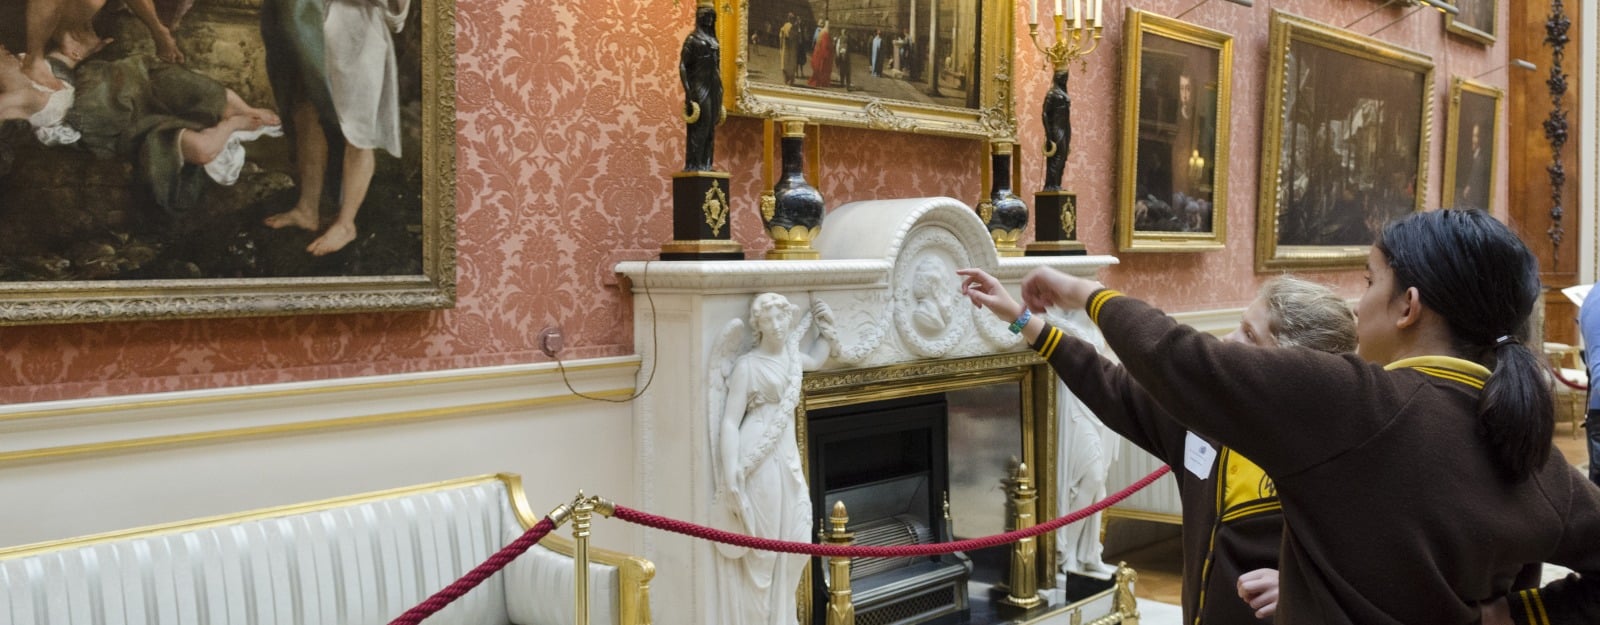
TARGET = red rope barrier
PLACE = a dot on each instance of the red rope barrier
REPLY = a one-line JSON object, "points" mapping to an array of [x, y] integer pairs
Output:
{"points": [[1556, 373], [476, 576], [862, 551], [501, 558]]}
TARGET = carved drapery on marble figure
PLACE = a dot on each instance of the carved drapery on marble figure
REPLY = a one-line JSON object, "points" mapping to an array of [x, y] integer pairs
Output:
{"points": [[1077, 33], [1087, 448], [793, 213], [759, 484], [1003, 212], [700, 213]]}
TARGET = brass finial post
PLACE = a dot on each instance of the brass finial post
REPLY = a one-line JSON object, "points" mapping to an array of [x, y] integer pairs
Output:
{"points": [[1024, 580], [841, 611], [1124, 601], [582, 515]]}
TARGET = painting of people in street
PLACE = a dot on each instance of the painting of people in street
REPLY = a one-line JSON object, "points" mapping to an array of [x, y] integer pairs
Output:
{"points": [[923, 52]]}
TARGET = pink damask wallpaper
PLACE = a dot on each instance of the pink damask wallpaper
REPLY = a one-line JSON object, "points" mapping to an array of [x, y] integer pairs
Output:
{"points": [[568, 130]]}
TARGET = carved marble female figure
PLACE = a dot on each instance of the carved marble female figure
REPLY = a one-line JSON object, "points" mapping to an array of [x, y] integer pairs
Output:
{"points": [[760, 489], [700, 70], [1057, 130]]}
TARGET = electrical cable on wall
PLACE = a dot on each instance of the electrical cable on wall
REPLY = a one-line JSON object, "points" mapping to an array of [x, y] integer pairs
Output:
{"points": [[654, 351]]}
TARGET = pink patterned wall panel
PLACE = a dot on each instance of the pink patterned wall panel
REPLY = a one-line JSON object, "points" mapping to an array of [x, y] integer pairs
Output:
{"points": [[568, 130]]}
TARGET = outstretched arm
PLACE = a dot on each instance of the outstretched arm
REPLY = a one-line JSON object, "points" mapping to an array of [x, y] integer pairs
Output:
{"points": [[1270, 404], [1102, 385], [166, 45]]}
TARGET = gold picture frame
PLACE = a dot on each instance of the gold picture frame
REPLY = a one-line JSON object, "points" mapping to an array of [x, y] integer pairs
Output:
{"points": [[419, 187], [1173, 180], [1471, 125], [752, 43], [1341, 155], [1477, 20]]}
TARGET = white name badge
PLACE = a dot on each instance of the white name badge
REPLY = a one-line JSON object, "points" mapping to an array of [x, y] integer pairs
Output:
{"points": [[1198, 456]]}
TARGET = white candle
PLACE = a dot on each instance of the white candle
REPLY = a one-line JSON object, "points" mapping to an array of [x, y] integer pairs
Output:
{"points": [[1077, 13], [1097, 14], [1034, 4], [1058, 7]]}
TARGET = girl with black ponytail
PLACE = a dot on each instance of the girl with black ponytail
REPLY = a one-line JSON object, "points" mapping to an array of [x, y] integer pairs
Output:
{"points": [[1416, 476]]}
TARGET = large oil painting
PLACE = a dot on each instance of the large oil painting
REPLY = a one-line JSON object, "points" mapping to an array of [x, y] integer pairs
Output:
{"points": [[916, 65], [1173, 180], [1345, 143], [202, 158]]}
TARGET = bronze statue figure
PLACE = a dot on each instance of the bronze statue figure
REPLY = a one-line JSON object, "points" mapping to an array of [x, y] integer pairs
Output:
{"points": [[1057, 130], [700, 69]]}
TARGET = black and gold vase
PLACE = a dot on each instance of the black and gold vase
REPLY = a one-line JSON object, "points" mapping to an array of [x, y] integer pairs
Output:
{"points": [[793, 213], [1004, 214]]}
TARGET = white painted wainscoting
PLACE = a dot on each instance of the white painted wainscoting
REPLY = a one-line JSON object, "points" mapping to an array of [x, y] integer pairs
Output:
{"points": [[78, 467]]}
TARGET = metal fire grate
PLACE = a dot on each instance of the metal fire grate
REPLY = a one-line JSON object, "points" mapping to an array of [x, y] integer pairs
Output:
{"points": [[915, 608]]}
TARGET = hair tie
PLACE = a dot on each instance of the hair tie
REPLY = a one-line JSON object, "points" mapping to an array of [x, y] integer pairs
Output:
{"points": [[1504, 341]]}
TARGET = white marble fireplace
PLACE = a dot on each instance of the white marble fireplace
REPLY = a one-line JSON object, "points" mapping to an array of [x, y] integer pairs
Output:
{"points": [[886, 274]]}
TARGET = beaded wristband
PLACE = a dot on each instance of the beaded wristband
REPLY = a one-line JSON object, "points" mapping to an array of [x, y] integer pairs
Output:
{"points": [[1021, 322]]}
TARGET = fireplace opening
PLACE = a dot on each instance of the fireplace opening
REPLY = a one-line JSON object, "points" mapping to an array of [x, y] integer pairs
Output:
{"points": [[888, 461]]}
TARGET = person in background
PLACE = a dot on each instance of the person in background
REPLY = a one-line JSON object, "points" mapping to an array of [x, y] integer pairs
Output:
{"points": [[1589, 328]]}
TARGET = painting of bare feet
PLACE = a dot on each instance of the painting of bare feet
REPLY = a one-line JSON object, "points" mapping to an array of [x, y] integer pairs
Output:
{"points": [[204, 158]]}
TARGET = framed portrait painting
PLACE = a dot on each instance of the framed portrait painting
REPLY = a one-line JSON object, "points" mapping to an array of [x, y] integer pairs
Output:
{"points": [[1476, 20], [224, 160], [1469, 144], [938, 66], [1344, 144], [1173, 179]]}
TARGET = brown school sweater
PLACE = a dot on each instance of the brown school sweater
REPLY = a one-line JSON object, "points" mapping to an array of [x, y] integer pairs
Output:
{"points": [[1232, 522], [1395, 511]]}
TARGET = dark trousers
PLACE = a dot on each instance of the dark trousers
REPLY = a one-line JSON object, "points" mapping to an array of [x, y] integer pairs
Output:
{"points": [[1591, 423]]}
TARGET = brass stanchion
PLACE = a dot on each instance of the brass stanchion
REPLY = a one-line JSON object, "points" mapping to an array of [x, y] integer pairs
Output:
{"points": [[841, 611], [1024, 583], [1124, 601], [582, 513]]}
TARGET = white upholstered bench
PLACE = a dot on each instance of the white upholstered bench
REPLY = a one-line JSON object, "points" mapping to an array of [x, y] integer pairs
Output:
{"points": [[357, 560]]}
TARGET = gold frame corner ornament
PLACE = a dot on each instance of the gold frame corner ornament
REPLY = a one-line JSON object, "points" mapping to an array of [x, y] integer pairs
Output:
{"points": [[1140, 24], [1287, 29], [1452, 135], [79, 301], [993, 117]]}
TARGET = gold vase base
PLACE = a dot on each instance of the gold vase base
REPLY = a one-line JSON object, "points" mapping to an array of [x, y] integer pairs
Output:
{"points": [[1057, 248], [1005, 242], [705, 249], [793, 243], [793, 253]]}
